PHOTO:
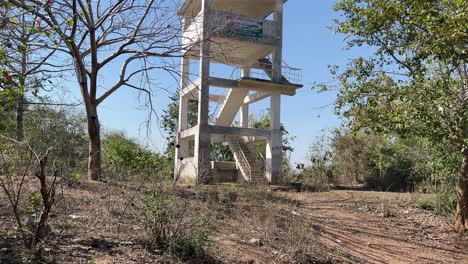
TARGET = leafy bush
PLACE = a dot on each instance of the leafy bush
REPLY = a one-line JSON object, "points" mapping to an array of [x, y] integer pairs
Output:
{"points": [[383, 162], [62, 130], [173, 225], [317, 174], [124, 159], [387, 162]]}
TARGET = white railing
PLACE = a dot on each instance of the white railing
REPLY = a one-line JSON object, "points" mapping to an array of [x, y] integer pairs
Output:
{"points": [[235, 140], [264, 71]]}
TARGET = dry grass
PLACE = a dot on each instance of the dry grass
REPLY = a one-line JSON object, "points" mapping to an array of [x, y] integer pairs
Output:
{"points": [[101, 223]]}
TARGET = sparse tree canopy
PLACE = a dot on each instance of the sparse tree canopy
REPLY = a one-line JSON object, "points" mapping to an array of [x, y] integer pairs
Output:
{"points": [[416, 80], [29, 64], [132, 37]]}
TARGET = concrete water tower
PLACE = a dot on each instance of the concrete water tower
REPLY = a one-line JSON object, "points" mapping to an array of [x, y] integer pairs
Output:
{"points": [[248, 35]]}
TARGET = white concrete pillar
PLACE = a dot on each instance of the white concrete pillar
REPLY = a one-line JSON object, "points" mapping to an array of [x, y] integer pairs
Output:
{"points": [[182, 146], [244, 116], [278, 50], [202, 137], [274, 149]]}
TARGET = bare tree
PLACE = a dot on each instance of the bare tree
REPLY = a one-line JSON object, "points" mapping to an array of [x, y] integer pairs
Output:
{"points": [[33, 66], [100, 35]]}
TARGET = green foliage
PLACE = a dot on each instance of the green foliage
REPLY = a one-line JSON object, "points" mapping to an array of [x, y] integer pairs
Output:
{"points": [[414, 84], [61, 130], [7, 122], [381, 161], [317, 174], [170, 121], [443, 202], [174, 226], [46, 128], [8, 89], [124, 159], [263, 122], [35, 200], [407, 32], [219, 151], [416, 80]]}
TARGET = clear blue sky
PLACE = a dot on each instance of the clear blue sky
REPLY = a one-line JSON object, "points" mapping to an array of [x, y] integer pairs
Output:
{"points": [[308, 44]]}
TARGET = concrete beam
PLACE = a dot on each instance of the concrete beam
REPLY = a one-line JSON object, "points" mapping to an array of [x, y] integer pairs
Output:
{"points": [[238, 131], [223, 83], [254, 85], [217, 98], [188, 132], [265, 86], [231, 107], [253, 98], [213, 97], [191, 89]]}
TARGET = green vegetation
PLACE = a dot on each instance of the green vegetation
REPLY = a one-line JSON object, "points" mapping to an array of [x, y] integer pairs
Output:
{"points": [[415, 82], [124, 159], [384, 162]]}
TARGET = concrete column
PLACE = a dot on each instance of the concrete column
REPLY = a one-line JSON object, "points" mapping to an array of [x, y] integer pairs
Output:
{"points": [[183, 102], [203, 137], [244, 111], [278, 50], [182, 146], [274, 149], [244, 116]]}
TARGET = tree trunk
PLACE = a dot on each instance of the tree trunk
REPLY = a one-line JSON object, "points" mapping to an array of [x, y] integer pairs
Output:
{"points": [[94, 134], [461, 218], [22, 82], [19, 118]]}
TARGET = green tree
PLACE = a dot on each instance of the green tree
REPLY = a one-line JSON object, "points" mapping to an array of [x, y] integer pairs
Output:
{"points": [[170, 117], [125, 159], [415, 82], [263, 122]]}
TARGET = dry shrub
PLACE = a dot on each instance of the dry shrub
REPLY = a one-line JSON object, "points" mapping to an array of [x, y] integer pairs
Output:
{"points": [[291, 236], [32, 205], [174, 224]]}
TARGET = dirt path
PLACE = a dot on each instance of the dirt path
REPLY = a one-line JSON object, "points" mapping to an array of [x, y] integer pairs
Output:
{"points": [[97, 223], [353, 222]]}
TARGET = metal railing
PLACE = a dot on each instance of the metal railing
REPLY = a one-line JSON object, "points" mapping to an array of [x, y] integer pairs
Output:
{"points": [[263, 70], [235, 140]]}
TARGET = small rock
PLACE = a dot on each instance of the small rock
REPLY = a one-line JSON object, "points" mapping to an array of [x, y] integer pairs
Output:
{"points": [[339, 241], [127, 243], [255, 241], [295, 213], [73, 217], [4, 250]]}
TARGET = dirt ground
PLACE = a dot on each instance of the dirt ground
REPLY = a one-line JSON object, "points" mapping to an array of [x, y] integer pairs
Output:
{"points": [[98, 223]]}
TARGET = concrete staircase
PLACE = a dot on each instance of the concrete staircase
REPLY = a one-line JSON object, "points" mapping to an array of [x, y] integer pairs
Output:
{"points": [[245, 160], [231, 106]]}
